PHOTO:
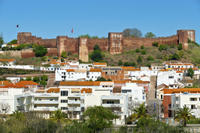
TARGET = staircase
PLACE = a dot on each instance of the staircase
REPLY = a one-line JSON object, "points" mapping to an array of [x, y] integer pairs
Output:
{"points": [[51, 80]]}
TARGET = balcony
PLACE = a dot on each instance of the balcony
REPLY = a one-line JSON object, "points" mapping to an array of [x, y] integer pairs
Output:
{"points": [[112, 105], [74, 108], [45, 109], [74, 102], [45, 102]]}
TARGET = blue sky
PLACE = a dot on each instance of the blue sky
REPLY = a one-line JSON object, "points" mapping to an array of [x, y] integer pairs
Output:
{"points": [[49, 18]]}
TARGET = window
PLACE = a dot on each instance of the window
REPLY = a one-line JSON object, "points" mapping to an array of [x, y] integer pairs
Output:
{"points": [[193, 107], [63, 101], [171, 77], [63, 108], [64, 93], [193, 99]]}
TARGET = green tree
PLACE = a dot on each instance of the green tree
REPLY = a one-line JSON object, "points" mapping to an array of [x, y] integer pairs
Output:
{"points": [[180, 46], [150, 58], [58, 115], [137, 50], [98, 117], [143, 52], [36, 79], [97, 54], [132, 32], [163, 47], [28, 78], [155, 44], [142, 47], [140, 112], [14, 41], [101, 79], [120, 63], [39, 50], [183, 115], [139, 59], [18, 115], [64, 54], [190, 72], [150, 35], [44, 77], [1, 40]]}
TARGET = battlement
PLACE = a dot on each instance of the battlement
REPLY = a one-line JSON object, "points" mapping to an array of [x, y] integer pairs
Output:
{"points": [[115, 43]]}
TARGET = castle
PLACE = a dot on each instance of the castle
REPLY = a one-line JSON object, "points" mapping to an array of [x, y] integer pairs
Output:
{"points": [[115, 43]]}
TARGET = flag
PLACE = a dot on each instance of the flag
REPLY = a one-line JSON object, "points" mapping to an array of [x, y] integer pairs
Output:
{"points": [[72, 31], [17, 26]]}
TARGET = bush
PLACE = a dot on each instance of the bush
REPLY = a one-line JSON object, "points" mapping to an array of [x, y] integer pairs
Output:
{"points": [[120, 63], [64, 54], [180, 46], [155, 44], [139, 59], [174, 57], [129, 64], [142, 47], [137, 50], [150, 58], [13, 42], [97, 54], [39, 50], [143, 52], [163, 47]]}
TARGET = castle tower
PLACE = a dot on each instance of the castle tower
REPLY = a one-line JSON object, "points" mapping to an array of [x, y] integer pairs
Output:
{"points": [[115, 43], [83, 50], [60, 42], [24, 37], [184, 36]]}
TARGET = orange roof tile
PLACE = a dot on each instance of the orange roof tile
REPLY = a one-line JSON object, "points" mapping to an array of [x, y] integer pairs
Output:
{"points": [[53, 90], [100, 63], [5, 83], [140, 81], [26, 83], [80, 83], [181, 90], [95, 70], [86, 90], [70, 70], [7, 60]]}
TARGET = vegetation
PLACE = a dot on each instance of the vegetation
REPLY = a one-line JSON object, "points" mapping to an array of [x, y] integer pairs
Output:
{"points": [[1, 40], [98, 118], [39, 50], [96, 54], [20, 47], [103, 79], [88, 36], [150, 35], [183, 115], [14, 41], [64, 54], [155, 44], [132, 32], [17, 71], [190, 72]]}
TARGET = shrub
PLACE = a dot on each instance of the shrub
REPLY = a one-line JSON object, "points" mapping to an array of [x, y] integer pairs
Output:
{"points": [[129, 64], [39, 50], [174, 57], [139, 59], [180, 46], [64, 54], [120, 63], [142, 47], [137, 50], [163, 47], [143, 52], [150, 58], [155, 44]]}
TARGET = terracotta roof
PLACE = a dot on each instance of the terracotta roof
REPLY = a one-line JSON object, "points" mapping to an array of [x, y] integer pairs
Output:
{"points": [[70, 70], [14, 86], [86, 90], [181, 90], [26, 83], [140, 81], [7, 60], [53, 90], [179, 71], [80, 83], [40, 90], [130, 69], [5, 83], [120, 82], [163, 70], [95, 70], [99, 63]]}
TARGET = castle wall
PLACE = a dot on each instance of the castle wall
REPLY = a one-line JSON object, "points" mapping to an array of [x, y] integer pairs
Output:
{"points": [[71, 45], [103, 44], [132, 43]]}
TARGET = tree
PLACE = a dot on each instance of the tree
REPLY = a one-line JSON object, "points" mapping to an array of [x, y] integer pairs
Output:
{"points": [[18, 115], [28, 78], [120, 63], [98, 117], [64, 54], [150, 35], [101, 79], [183, 115], [139, 59], [140, 112], [180, 46], [14, 41], [36, 79], [163, 47], [190, 72], [58, 115], [96, 54], [132, 32], [39, 50], [1, 40], [142, 47], [150, 58], [155, 44]]}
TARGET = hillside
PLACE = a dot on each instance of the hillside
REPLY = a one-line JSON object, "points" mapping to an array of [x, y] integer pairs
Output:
{"points": [[150, 55]]}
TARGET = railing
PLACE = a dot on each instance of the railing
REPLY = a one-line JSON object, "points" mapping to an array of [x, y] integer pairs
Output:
{"points": [[45, 102]]}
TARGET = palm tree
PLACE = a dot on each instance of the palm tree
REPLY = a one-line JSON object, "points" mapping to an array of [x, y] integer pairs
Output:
{"points": [[183, 115], [58, 115]]}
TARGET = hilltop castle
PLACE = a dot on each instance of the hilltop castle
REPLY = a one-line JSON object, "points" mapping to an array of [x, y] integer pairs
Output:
{"points": [[115, 43]]}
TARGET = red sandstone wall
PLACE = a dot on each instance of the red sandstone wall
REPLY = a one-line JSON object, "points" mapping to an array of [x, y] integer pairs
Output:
{"points": [[71, 45], [103, 44], [166, 103], [52, 52], [137, 42]]}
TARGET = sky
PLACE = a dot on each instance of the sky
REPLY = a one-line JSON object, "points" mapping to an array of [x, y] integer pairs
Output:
{"points": [[50, 18]]}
